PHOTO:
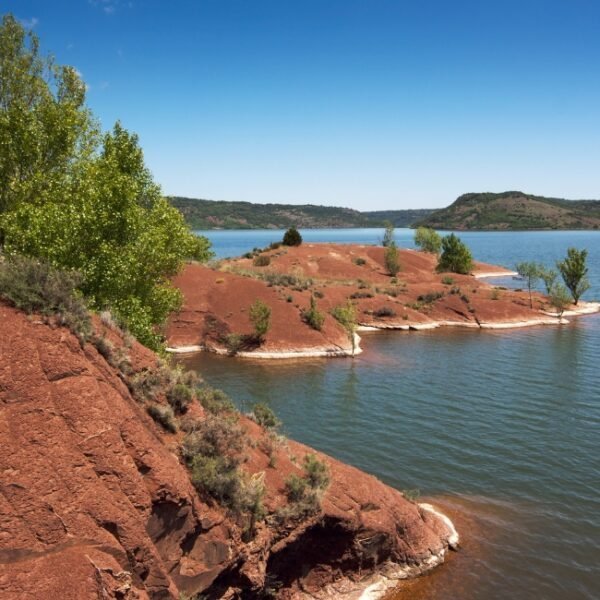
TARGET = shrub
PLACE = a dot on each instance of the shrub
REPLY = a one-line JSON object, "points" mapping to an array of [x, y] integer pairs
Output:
{"points": [[234, 342], [574, 272], [312, 316], [428, 240], [179, 397], [447, 280], [392, 263], [219, 478], [359, 295], [260, 316], [359, 261], [455, 257], [295, 488], [215, 436], [164, 416], [384, 311], [430, 297], [274, 245], [35, 286], [317, 472], [345, 315], [495, 294], [262, 260], [292, 237], [213, 400], [318, 294], [287, 280], [559, 299], [265, 417]]}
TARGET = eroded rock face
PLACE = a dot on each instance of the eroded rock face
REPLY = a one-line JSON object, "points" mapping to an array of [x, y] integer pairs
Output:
{"points": [[95, 503]]}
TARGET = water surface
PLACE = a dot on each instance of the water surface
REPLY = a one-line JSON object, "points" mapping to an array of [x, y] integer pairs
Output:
{"points": [[501, 428]]}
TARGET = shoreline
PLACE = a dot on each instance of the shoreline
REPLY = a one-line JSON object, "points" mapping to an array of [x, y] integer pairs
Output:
{"points": [[545, 318], [389, 574]]}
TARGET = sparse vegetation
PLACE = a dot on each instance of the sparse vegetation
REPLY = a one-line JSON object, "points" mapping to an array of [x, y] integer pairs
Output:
{"points": [[34, 286], [384, 311], [430, 297], [447, 280], [262, 260], [164, 416], [313, 316], [388, 235], [214, 400], [265, 417], [358, 261]]}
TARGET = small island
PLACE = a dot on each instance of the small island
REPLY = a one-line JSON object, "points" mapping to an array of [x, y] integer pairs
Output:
{"points": [[320, 295]]}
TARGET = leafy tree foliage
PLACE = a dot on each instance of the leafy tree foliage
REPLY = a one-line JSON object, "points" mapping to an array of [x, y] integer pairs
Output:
{"points": [[548, 276], [560, 299], [82, 201], [456, 256], [292, 237], [428, 240], [574, 272], [530, 271], [345, 315]]}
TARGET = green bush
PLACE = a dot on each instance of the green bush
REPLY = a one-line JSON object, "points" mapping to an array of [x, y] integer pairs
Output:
{"points": [[391, 260], [292, 237], [359, 295], [428, 240], [213, 400], [384, 311], [35, 286], [359, 261], [317, 472], [455, 257], [260, 316], [180, 396], [295, 488], [262, 260], [430, 297], [265, 416], [447, 280], [312, 316]]}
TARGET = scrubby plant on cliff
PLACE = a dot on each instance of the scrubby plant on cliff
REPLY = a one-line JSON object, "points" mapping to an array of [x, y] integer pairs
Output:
{"points": [[574, 270], [530, 272], [265, 416], [260, 317], [345, 315], [35, 286], [455, 257], [313, 316], [428, 240], [80, 200], [391, 260], [292, 237]]}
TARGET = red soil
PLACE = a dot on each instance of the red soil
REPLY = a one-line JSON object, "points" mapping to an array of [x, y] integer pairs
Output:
{"points": [[217, 301], [96, 503]]}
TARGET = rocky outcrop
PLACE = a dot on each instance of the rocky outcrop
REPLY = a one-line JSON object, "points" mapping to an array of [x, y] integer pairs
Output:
{"points": [[96, 503]]}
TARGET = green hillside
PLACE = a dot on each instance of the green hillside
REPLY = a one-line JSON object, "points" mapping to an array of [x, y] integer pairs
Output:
{"points": [[514, 211], [220, 214]]}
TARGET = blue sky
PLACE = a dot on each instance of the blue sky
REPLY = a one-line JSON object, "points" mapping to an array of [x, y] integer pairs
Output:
{"points": [[371, 104]]}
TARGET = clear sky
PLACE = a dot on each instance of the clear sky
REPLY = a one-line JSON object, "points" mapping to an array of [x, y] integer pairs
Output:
{"points": [[372, 104]]}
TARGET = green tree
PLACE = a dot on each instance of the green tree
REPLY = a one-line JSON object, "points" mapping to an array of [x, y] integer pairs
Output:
{"points": [[428, 240], [260, 316], [559, 299], [456, 256], [345, 315], [292, 237], [81, 201], [388, 235], [530, 271], [391, 260], [46, 131], [548, 276], [313, 316], [573, 270]]}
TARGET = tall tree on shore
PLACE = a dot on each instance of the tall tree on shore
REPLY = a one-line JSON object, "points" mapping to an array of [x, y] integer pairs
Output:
{"points": [[530, 272], [80, 200], [574, 270]]}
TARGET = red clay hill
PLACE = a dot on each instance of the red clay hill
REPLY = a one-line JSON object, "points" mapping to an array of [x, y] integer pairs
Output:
{"points": [[96, 500], [217, 300]]}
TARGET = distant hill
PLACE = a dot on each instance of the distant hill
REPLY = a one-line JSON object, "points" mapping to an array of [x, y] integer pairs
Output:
{"points": [[514, 210], [220, 214], [399, 218]]}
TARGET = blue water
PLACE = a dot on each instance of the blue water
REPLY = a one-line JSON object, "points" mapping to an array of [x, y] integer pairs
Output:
{"points": [[501, 428]]}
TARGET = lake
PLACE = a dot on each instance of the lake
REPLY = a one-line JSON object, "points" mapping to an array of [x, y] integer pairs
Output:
{"points": [[501, 429]]}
